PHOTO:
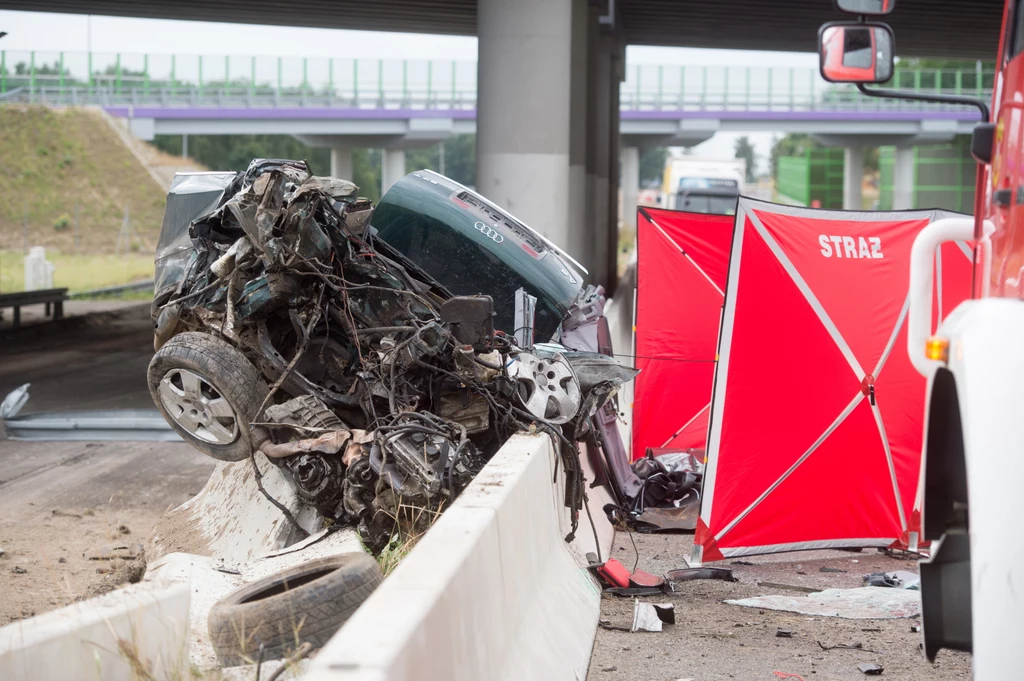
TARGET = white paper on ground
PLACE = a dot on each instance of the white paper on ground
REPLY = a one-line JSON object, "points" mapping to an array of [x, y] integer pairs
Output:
{"points": [[866, 602]]}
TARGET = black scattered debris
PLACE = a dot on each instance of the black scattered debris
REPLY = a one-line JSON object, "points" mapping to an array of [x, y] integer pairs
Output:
{"points": [[900, 579], [667, 496], [915, 628], [18, 570], [62, 559], [870, 668], [385, 393], [788, 587], [606, 624], [872, 630], [633, 591], [825, 568], [689, 574], [742, 562]]}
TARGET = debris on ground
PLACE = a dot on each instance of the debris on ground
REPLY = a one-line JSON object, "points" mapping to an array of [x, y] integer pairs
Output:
{"points": [[688, 574], [870, 668], [900, 579], [667, 486], [783, 633], [788, 587], [867, 602], [18, 570], [286, 326], [825, 568], [651, 616]]}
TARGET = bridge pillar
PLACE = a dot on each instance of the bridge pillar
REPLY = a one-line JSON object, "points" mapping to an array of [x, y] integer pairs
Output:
{"points": [[903, 179], [392, 168], [523, 104], [630, 184], [853, 176], [341, 163], [599, 134], [578, 105], [617, 70]]}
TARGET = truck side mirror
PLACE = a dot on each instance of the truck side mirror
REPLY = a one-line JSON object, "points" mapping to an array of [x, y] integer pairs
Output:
{"points": [[856, 52], [873, 8]]}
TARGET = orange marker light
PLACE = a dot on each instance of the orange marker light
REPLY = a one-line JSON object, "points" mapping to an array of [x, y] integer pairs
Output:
{"points": [[937, 348]]}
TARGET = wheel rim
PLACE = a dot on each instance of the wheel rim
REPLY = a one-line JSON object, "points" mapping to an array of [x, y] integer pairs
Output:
{"points": [[199, 408]]}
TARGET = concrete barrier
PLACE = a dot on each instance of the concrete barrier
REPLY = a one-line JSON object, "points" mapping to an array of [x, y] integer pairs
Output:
{"points": [[137, 632], [492, 591]]}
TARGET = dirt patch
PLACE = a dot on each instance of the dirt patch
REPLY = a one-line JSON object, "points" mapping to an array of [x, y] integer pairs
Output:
{"points": [[66, 508], [714, 641]]}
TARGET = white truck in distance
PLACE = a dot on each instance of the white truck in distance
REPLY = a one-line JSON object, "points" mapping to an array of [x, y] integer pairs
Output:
{"points": [[702, 185]]}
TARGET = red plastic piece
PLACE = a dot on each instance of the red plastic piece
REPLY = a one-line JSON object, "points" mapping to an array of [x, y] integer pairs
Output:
{"points": [[615, 573]]}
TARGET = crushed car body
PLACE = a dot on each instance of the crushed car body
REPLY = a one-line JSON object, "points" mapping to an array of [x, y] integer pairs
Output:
{"points": [[379, 357]]}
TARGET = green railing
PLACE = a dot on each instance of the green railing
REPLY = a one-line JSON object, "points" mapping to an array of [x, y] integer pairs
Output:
{"points": [[182, 80]]}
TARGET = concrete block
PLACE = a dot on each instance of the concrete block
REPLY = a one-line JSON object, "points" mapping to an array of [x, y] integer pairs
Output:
{"points": [[492, 591], [112, 637]]}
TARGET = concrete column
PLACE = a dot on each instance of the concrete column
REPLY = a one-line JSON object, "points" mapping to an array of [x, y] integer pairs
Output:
{"points": [[601, 103], [630, 184], [392, 168], [577, 208], [903, 179], [341, 163], [853, 176], [586, 255], [617, 72], [523, 95]]}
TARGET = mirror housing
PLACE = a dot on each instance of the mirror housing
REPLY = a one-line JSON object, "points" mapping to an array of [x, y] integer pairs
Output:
{"points": [[852, 52], [873, 8]]}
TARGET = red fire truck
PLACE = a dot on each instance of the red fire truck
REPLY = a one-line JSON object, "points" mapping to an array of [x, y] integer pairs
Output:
{"points": [[972, 478]]}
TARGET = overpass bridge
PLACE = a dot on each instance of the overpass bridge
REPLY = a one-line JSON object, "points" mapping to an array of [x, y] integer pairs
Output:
{"points": [[394, 105], [548, 135]]}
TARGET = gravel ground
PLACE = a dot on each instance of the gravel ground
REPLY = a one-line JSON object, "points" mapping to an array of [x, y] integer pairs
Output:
{"points": [[712, 640]]}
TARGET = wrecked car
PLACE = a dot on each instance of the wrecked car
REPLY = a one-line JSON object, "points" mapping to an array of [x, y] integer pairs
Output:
{"points": [[293, 319]]}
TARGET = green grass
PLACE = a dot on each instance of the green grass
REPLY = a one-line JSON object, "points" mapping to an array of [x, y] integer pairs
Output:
{"points": [[78, 272], [69, 176]]}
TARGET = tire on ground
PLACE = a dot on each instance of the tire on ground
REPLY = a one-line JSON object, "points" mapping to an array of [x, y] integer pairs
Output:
{"points": [[306, 603], [228, 371]]}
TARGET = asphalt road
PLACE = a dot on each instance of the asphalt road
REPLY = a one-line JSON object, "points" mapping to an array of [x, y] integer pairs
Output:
{"points": [[714, 641]]}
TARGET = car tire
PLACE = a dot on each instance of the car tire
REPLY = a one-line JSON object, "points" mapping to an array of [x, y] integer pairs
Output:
{"points": [[208, 392], [306, 603]]}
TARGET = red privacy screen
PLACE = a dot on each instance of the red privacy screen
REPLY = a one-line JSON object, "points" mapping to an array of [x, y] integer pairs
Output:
{"points": [[817, 415], [682, 259]]}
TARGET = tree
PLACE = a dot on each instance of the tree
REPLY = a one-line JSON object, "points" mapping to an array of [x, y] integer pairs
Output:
{"points": [[745, 150], [652, 166], [459, 159]]}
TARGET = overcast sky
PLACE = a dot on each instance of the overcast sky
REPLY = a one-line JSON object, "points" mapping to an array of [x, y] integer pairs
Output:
{"points": [[70, 33]]}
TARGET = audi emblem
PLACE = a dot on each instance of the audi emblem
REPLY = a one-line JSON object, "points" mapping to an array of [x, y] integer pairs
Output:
{"points": [[489, 232]]}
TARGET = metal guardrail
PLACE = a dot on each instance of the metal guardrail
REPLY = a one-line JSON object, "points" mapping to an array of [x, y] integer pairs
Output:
{"points": [[145, 285], [123, 425], [73, 78]]}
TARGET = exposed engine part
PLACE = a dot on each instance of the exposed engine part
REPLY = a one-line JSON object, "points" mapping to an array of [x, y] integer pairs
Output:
{"points": [[471, 319], [467, 408], [481, 366], [548, 389], [306, 414], [318, 479], [413, 463]]}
